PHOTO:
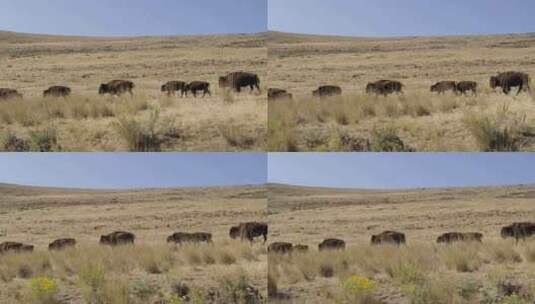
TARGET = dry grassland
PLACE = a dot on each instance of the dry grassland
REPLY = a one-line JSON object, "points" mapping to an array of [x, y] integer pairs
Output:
{"points": [[415, 121], [148, 122], [151, 270], [495, 271]]}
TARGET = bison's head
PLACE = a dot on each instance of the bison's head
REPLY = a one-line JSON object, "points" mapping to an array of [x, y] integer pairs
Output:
{"points": [[105, 239], [434, 88], [223, 82], [234, 232], [370, 88], [506, 231], [494, 82], [164, 88], [103, 89]]}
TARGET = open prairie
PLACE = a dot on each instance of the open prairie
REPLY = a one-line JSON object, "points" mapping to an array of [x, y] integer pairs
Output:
{"points": [[149, 121], [494, 271], [417, 120], [149, 271]]}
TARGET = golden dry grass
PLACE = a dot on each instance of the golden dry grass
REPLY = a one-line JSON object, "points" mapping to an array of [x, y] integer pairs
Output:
{"points": [[422, 120], [421, 271], [146, 272], [85, 121]]}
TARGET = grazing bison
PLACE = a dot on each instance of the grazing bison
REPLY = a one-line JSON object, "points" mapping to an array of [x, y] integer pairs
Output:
{"points": [[327, 91], [464, 86], [274, 94], [184, 237], [61, 244], [250, 230], [117, 87], [518, 230], [442, 87], [117, 238], [388, 237], [329, 244], [57, 91], [14, 247], [384, 87], [238, 80], [451, 237], [172, 87], [6, 94], [510, 79], [196, 86], [280, 247]]}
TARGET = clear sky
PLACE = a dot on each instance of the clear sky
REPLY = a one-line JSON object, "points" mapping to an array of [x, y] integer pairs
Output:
{"points": [[133, 17], [132, 170], [398, 170], [401, 17]]}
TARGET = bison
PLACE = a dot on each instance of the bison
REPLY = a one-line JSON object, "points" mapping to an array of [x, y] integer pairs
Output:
{"points": [[196, 86], [14, 247], [327, 91], [452, 237], [117, 87], [249, 231], [274, 94], [280, 247], [463, 87], [330, 244], [184, 237], [118, 238], [510, 79], [388, 237], [171, 87], [238, 80], [442, 87], [61, 244], [6, 94], [384, 87], [518, 231], [57, 91]]}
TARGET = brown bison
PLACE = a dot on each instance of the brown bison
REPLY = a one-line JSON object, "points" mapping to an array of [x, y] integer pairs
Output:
{"points": [[384, 87], [280, 247], [442, 87], [274, 94], [117, 87], [6, 94], [238, 80], [518, 230], [196, 86], [118, 238], [463, 87], [61, 244], [14, 247], [171, 87], [388, 237], [451, 237], [57, 91], [184, 237], [510, 79], [250, 230], [327, 91], [330, 244]]}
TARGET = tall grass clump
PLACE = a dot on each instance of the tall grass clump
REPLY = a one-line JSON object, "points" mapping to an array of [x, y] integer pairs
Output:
{"points": [[502, 131], [141, 135], [43, 290]]}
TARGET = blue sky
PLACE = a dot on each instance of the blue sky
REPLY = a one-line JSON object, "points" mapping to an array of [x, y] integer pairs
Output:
{"points": [[133, 17], [398, 170], [132, 170], [401, 18]]}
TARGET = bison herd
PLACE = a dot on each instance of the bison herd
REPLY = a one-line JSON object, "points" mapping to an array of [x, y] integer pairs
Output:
{"points": [[384, 87], [518, 231], [244, 231], [235, 81]]}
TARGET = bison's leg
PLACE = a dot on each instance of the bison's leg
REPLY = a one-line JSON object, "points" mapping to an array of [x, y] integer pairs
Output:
{"points": [[265, 237], [520, 88], [257, 87]]}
